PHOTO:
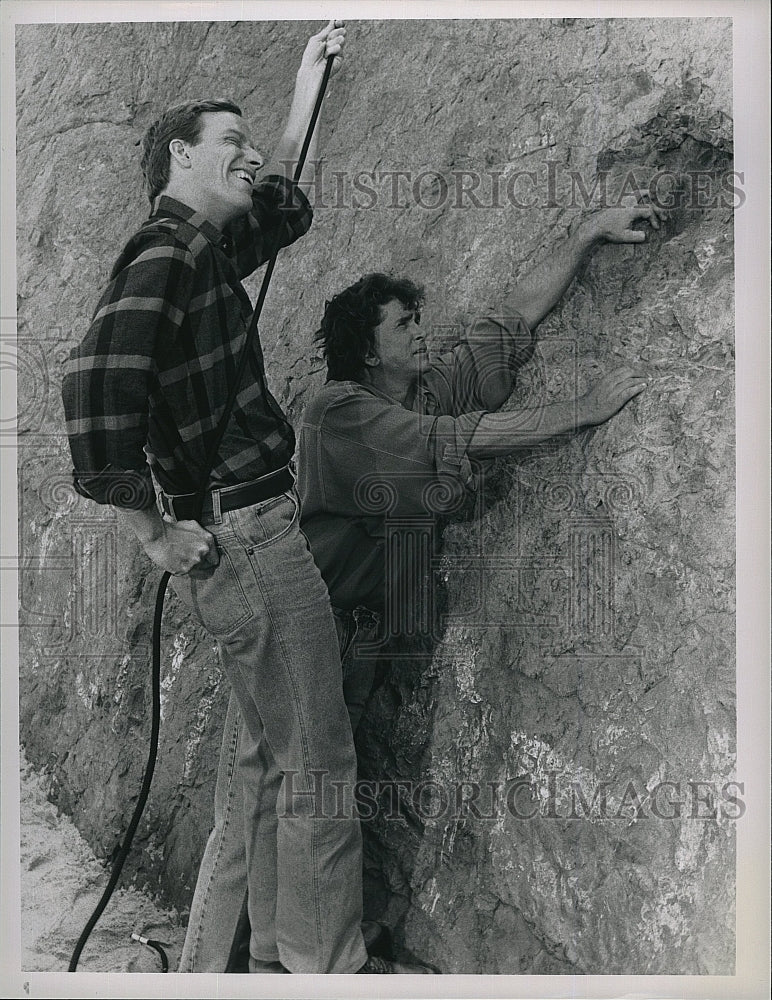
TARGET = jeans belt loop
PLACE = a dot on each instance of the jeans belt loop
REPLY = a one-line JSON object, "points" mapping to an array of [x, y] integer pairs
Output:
{"points": [[216, 507]]}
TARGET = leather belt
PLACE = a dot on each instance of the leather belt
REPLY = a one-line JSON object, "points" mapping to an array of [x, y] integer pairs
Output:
{"points": [[182, 506]]}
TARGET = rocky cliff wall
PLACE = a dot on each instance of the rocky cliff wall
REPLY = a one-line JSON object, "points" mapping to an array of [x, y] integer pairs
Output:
{"points": [[583, 646]]}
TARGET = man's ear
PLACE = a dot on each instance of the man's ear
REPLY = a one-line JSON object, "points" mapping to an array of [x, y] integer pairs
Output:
{"points": [[179, 153], [372, 359]]}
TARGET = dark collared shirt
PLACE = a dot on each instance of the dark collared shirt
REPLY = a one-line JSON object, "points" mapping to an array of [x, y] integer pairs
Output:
{"points": [[365, 459], [147, 385]]}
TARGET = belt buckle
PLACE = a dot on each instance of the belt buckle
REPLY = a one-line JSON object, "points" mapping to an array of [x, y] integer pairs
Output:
{"points": [[172, 509], [165, 504]]}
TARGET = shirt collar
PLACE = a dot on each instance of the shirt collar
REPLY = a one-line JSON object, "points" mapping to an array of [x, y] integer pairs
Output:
{"points": [[164, 205], [418, 389]]}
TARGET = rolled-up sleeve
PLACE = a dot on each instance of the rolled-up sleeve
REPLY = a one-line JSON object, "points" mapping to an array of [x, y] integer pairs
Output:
{"points": [[280, 214], [480, 372]]}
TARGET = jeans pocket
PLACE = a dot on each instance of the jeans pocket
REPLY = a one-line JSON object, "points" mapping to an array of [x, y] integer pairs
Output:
{"points": [[217, 599], [266, 522]]}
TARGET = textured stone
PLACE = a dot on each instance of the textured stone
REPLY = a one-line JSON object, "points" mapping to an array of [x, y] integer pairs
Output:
{"points": [[595, 642]]}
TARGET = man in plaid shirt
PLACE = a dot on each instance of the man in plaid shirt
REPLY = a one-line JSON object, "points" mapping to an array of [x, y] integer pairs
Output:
{"points": [[143, 394]]}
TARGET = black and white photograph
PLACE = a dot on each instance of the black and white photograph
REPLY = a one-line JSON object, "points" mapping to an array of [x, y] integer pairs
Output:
{"points": [[385, 468]]}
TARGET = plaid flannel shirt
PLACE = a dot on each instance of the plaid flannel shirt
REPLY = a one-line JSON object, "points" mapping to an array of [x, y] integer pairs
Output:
{"points": [[147, 385]]}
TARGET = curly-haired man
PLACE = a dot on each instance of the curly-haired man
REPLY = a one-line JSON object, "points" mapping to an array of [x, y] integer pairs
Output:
{"points": [[391, 423]]}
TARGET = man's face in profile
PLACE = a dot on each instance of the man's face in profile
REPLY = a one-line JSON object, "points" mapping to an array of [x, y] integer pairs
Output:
{"points": [[223, 167], [399, 342]]}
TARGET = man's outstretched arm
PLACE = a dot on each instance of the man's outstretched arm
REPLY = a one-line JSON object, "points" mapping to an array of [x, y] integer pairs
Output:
{"points": [[502, 433], [540, 291], [328, 42]]}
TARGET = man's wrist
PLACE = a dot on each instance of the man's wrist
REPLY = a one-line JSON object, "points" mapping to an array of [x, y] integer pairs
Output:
{"points": [[588, 235], [147, 524]]}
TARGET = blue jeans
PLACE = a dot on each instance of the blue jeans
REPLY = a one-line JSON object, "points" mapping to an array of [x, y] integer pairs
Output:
{"points": [[268, 607], [222, 881]]}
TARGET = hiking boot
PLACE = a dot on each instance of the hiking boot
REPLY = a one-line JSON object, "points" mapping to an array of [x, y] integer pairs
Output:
{"points": [[375, 966], [377, 938]]}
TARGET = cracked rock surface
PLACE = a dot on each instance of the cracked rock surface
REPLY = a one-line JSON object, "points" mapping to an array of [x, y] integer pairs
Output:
{"points": [[583, 651]]}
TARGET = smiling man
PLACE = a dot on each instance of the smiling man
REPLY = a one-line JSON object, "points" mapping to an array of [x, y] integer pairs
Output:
{"points": [[143, 394]]}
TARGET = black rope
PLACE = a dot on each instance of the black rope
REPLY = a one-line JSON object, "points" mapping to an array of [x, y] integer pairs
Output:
{"points": [[155, 717], [123, 853], [156, 946]]}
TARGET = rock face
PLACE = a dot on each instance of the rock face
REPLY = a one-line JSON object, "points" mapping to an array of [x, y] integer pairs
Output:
{"points": [[62, 882], [582, 656]]}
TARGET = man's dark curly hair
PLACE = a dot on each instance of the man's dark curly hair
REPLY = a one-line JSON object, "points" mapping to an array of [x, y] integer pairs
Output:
{"points": [[347, 333], [182, 121]]}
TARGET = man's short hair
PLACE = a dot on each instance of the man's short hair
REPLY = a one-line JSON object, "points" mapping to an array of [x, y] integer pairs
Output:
{"points": [[181, 121], [347, 333]]}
